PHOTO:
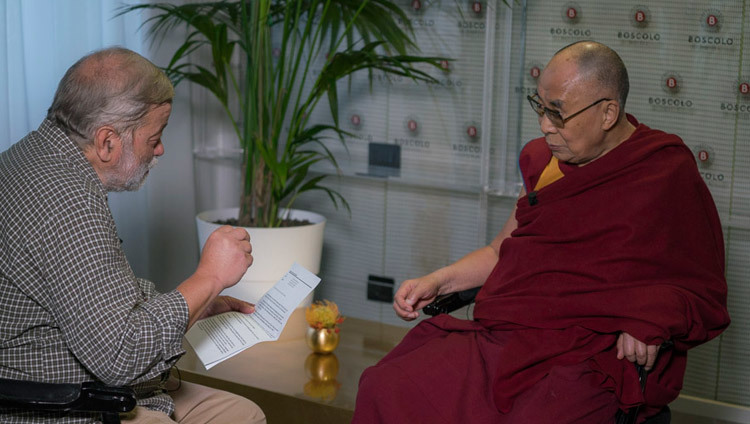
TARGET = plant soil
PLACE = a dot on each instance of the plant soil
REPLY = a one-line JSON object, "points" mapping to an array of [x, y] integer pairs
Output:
{"points": [[285, 223]]}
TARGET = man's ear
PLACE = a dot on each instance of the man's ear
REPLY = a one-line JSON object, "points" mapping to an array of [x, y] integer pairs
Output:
{"points": [[611, 114], [107, 144]]}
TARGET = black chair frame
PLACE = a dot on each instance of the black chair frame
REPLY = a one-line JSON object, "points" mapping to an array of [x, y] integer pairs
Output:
{"points": [[66, 397]]}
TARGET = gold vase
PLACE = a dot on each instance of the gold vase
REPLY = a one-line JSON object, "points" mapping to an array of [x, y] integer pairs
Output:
{"points": [[323, 340]]}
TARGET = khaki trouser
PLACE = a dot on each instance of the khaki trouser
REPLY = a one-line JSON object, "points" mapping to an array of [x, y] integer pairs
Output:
{"points": [[196, 404]]}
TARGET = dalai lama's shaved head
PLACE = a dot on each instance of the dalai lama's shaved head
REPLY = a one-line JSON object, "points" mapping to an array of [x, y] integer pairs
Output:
{"points": [[580, 102], [602, 64]]}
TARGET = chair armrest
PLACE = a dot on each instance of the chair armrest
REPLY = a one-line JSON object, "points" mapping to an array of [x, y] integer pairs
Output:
{"points": [[98, 397], [88, 397], [450, 302]]}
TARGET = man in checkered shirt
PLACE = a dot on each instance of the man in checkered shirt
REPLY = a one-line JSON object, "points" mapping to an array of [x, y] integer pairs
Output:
{"points": [[71, 309]]}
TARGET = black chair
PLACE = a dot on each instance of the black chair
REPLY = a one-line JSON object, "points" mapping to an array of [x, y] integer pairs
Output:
{"points": [[662, 417], [65, 397], [450, 302]]}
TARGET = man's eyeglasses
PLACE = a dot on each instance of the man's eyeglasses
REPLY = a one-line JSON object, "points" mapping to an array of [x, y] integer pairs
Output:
{"points": [[553, 115]]}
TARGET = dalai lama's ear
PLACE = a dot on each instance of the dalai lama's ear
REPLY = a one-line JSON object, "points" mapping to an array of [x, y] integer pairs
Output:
{"points": [[107, 144], [611, 114]]}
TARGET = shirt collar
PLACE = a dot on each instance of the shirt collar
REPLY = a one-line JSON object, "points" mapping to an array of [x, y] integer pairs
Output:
{"points": [[73, 154]]}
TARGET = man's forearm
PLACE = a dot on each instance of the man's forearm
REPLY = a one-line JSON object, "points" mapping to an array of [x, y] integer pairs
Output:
{"points": [[468, 272], [198, 291]]}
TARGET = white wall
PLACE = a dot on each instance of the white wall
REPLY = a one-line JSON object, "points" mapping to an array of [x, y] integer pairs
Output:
{"points": [[164, 245]]}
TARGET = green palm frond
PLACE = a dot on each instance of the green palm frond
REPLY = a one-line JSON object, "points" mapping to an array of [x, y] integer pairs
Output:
{"points": [[278, 44]]}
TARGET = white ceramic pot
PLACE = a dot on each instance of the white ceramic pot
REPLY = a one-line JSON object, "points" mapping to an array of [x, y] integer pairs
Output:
{"points": [[274, 250]]}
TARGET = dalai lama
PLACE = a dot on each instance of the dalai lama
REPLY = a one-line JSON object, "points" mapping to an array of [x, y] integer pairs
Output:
{"points": [[614, 249]]}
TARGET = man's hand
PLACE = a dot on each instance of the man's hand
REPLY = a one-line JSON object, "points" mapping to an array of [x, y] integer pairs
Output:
{"points": [[414, 295], [226, 256], [636, 351], [226, 304]]}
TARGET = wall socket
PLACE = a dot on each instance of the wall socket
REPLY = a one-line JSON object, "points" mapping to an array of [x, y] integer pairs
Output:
{"points": [[380, 289], [383, 160]]}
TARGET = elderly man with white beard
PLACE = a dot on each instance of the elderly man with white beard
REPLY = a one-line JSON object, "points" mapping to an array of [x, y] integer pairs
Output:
{"points": [[71, 309]]}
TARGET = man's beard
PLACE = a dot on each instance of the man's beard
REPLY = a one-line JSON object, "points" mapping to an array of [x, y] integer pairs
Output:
{"points": [[131, 174]]}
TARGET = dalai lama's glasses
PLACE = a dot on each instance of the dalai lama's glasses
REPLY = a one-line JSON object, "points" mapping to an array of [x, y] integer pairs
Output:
{"points": [[553, 115]]}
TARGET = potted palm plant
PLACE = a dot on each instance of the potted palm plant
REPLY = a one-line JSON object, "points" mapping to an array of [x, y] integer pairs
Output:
{"points": [[271, 95]]}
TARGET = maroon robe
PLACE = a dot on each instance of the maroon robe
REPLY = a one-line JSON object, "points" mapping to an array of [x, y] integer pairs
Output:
{"points": [[630, 242]]}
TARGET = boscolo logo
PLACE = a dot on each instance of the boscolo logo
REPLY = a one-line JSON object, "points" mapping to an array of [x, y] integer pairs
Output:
{"points": [[477, 7], [411, 125], [711, 20], [418, 9], [640, 16], [671, 83], [744, 87], [711, 24], [535, 70], [355, 120], [357, 128], [532, 73], [742, 95], [571, 15], [469, 145], [704, 155], [472, 132]]}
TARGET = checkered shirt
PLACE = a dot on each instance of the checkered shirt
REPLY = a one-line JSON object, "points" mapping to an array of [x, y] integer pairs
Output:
{"points": [[71, 309]]}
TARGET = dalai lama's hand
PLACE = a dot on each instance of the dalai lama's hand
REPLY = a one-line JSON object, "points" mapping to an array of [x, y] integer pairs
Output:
{"points": [[635, 350], [413, 295]]}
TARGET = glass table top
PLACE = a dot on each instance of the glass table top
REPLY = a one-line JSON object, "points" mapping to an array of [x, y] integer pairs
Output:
{"points": [[288, 367]]}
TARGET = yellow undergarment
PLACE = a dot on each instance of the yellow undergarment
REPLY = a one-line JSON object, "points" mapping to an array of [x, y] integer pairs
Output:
{"points": [[550, 174]]}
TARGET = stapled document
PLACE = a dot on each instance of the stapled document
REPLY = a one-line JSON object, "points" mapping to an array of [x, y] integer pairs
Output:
{"points": [[218, 338]]}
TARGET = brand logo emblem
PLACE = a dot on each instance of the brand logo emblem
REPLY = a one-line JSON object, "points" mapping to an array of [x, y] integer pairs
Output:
{"points": [[711, 20], [744, 88], [412, 126], [469, 147], [640, 16], [671, 82], [571, 13], [416, 4], [472, 131], [477, 7], [356, 120], [534, 71], [741, 101], [446, 65], [704, 155]]}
